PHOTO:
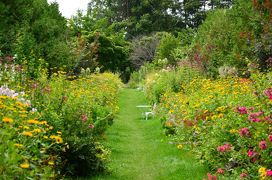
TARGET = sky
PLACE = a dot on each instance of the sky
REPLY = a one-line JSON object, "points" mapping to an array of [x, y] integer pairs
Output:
{"points": [[70, 7]]}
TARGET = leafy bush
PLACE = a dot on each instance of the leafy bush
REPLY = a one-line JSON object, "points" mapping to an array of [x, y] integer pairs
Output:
{"points": [[234, 38], [157, 83], [166, 46]]}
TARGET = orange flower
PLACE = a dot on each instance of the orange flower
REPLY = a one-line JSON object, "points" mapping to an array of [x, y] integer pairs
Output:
{"points": [[27, 133], [7, 120]]}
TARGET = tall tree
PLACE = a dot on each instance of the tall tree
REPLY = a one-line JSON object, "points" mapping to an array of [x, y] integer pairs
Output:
{"points": [[34, 29], [145, 16]]}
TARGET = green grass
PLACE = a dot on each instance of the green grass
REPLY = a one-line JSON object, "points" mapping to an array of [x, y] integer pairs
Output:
{"points": [[140, 150]]}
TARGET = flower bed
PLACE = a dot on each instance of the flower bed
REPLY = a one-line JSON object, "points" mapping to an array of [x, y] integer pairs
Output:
{"points": [[226, 122], [29, 147], [59, 132]]}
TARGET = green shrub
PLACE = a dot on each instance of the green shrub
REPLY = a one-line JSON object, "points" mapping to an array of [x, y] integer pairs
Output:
{"points": [[165, 48], [157, 83]]}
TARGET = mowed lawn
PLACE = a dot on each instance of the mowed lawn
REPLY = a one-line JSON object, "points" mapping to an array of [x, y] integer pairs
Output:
{"points": [[140, 150]]}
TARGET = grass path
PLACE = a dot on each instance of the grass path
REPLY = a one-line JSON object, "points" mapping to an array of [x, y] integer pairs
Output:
{"points": [[140, 151]]}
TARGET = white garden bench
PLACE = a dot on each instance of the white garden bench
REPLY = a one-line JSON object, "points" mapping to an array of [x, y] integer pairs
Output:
{"points": [[147, 110]]}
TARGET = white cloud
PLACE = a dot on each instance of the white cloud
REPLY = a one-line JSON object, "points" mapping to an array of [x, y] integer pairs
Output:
{"points": [[70, 7]]}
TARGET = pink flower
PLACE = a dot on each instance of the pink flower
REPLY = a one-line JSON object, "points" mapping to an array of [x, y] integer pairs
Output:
{"points": [[270, 137], [242, 110], [220, 171], [243, 175], [266, 118], [221, 149], [269, 172], [263, 145], [227, 146], [268, 93], [244, 132], [91, 126], [211, 177], [254, 117], [251, 153], [84, 118], [224, 148]]}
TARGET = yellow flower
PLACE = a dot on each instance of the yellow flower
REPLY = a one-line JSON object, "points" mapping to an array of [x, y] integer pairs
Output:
{"points": [[206, 111], [33, 121], [179, 146], [37, 130], [233, 131], [57, 138], [7, 120], [214, 117], [24, 165], [59, 132], [18, 145], [27, 133], [25, 127], [51, 163], [263, 175], [262, 170], [43, 122]]}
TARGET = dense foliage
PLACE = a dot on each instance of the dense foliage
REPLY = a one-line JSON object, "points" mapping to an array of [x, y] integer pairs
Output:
{"points": [[32, 30], [61, 125]]}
